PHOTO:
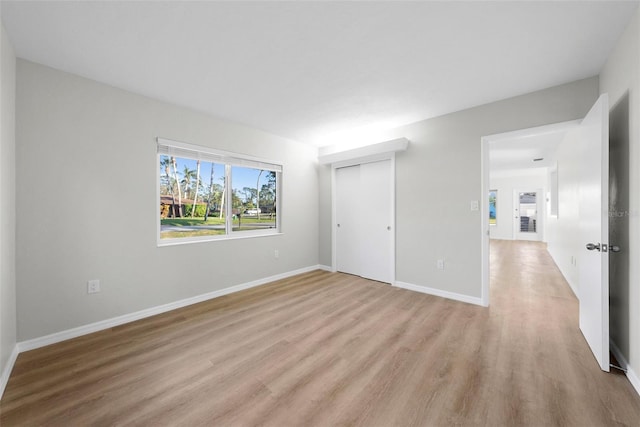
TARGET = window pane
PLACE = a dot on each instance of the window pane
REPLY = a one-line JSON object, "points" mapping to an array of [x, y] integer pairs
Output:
{"points": [[254, 198], [493, 198], [191, 198], [528, 212]]}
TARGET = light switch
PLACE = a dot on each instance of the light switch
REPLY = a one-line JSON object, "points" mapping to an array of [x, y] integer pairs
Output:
{"points": [[475, 205]]}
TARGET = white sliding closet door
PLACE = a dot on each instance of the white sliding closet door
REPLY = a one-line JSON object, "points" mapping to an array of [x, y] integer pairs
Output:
{"points": [[348, 231], [375, 224], [364, 216]]}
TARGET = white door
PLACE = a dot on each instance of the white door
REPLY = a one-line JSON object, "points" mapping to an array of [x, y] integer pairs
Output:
{"points": [[527, 207], [593, 262], [364, 233], [347, 228], [375, 221]]}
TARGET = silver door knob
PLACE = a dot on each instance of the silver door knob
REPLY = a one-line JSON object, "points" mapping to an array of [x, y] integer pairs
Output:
{"points": [[591, 246], [614, 248]]}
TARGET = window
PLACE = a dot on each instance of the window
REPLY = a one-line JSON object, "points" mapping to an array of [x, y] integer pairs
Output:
{"points": [[493, 197], [254, 198], [205, 194]]}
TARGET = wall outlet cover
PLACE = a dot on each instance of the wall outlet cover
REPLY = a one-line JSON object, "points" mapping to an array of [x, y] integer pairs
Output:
{"points": [[93, 286]]}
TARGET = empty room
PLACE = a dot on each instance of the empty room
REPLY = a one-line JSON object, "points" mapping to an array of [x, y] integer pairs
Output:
{"points": [[321, 213]]}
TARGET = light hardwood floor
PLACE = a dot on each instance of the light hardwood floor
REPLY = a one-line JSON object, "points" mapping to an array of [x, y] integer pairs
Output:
{"points": [[333, 349]]}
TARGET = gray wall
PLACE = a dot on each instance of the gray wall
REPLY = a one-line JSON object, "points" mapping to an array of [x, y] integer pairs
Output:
{"points": [[7, 201], [564, 242], [86, 197], [439, 175], [621, 78]]}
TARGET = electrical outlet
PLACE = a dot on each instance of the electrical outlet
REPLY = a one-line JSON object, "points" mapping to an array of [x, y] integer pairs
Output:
{"points": [[93, 286], [276, 253], [440, 264], [475, 205]]}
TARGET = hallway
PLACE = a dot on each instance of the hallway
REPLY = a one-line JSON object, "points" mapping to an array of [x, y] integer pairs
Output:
{"points": [[549, 358]]}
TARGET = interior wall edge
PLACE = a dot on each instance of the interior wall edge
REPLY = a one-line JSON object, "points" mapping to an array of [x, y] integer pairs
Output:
{"points": [[8, 367]]}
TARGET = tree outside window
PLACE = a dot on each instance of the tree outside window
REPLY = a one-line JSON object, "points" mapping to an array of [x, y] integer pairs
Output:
{"points": [[493, 195], [206, 200]]}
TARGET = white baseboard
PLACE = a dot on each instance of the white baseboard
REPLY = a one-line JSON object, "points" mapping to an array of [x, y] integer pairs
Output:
{"points": [[631, 375], [6, 372], [131, 317], [440, 293], [325, 268]]}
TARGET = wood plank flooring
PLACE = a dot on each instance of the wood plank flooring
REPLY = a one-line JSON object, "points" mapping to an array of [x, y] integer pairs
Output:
{"points": [[323, 349]]}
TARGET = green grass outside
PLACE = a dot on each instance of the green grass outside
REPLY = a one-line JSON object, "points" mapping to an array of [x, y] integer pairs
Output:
{"points": [[248, 223], [186, 222], [189, 233], [192, 221]]}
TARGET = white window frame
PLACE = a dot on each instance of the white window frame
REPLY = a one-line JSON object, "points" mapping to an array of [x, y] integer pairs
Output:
{"points": [[179, 149]]}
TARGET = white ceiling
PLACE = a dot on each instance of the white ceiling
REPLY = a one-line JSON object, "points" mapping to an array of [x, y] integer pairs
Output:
{"points": [[519, 153], [321, 72]]}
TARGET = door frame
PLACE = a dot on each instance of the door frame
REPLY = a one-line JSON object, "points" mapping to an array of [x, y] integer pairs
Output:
{"points": [[485, 166], [540, 212], [392, 172]]}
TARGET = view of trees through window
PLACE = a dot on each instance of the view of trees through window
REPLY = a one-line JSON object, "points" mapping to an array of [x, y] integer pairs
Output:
{"points": [[493, 196], [194, 200], [254, 198]]}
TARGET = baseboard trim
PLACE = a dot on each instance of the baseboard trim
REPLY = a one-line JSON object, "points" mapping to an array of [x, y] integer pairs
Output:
{"points": [[631, 375], [57, 337], [439, 293], [6, 372], [325, 268]]}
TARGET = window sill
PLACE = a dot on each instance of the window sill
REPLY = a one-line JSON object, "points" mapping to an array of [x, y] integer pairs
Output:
{"points": [[204, 239]]}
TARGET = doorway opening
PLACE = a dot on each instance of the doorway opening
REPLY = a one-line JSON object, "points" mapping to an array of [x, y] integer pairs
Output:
{"points": [[581, 226], [517, 177]]}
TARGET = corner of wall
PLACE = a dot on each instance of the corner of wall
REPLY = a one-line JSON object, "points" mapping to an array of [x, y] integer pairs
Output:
{"points": [[8, 335]]}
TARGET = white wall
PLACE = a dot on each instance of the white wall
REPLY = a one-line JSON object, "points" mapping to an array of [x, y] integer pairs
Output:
{"points": [[506, 182], [621, 76], [439, 174], [86, 197], [7, 204], [563, 233]]}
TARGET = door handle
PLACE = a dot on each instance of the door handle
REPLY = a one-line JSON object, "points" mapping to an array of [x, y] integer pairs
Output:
{"points": [[591, 246], [614, 248]]}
